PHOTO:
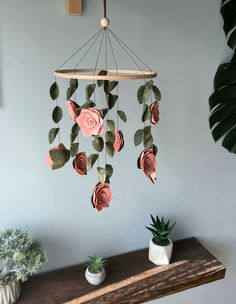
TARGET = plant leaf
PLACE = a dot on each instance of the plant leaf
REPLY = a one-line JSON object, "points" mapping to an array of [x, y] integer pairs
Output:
{"points": [[89, 90], [143, 94], [98, 144], [111, 125], [101, 174], [111, 100], [104, 112], [70, 92], [52, 134], [109, 171], [54, 91], [149, 84], [74, 149], [147, 137], [57, 114], [110, 149], [110, 136], [155, 150], [59, 157], [138, 137], [88, 104], [109, 86], [146, 113], [100, 82], [74, 83], [122, 115], [92, 160], [157, 93]]}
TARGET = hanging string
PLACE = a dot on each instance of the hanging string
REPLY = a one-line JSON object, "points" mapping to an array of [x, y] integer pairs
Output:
{"points": [[131, 51], [79, 49], [99, 51], [86, 52], [105, 8]]}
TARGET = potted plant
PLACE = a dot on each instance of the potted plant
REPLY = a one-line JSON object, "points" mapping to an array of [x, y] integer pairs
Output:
{"points": [[160, 246], [95, 273], [20, 257]]}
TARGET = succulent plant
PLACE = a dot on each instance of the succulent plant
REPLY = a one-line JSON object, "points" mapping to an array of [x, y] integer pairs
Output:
{"points": [[96, 263], [160, 230]]}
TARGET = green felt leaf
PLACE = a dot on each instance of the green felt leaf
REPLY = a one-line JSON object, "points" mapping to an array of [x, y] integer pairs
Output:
{"points": [[155, 150], [74, 83], [229, 141], [110, 149], [88, 104], [147, 137], [157, 93], [54, 91], [111, 124], [101, 82], [89, 90], [74, 148], [110, 137], [149, 84], [92, 160], [146, 113], [57, 114], [143, 94], [98, 144], [70, 92], [75, 129], [122, 115], [101, 174], [109, 170], [60, 157], [104, 112], [138, 137], [52, 134], [111, 100], [109, 86]]}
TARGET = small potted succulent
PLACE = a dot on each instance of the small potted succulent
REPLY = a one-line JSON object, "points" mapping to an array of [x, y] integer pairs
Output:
{"points": [[95, 273], [20, 257], [160, 246]]}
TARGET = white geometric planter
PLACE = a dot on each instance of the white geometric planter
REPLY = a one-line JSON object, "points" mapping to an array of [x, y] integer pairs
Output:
{"points": [[10, 293], [95, 278], [160, 255]]}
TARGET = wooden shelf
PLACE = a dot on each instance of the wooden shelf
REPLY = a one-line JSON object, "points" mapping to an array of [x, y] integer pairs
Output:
{"points": [[131, 278]]}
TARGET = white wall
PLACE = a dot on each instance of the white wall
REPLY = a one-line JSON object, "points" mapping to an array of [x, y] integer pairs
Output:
{"points": [[183, 40]]}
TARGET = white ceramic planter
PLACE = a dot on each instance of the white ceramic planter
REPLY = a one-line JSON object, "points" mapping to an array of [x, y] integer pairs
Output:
{"points": [[10, 293], [95, 278], [160, 255]]}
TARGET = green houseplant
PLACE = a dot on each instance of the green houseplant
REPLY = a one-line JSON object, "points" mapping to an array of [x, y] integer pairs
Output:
{"points": [[20, 257], [222, 102], [95, 272], [160, 245]]}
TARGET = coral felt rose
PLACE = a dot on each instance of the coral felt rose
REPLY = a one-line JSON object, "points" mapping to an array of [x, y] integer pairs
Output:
{"points": [[71, 109], [90, 122], [80, 163], [154, 111], [48, 159], [147, 162], [119, 141], [101, 196]]}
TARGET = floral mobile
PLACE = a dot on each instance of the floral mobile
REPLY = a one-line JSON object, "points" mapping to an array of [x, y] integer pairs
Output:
{"points": [[92, 118]]}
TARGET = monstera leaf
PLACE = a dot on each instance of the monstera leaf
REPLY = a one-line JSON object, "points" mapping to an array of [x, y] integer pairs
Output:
{"points": [[222, 102]]}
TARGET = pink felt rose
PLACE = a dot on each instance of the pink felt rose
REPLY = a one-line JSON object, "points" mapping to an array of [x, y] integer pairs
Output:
{"points": [[48, 159], [101, 196], [119, 141], [147, 162], [155, 114], [71, 109], [90, 122], [80, 163]]}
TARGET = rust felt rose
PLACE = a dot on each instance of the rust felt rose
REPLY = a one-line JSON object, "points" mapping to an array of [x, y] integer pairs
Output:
{"points": [[101, 196], [154, 111], [80, 163], [119, 141], [90, 122], [71, 107], [147, 162], [48, 159]]}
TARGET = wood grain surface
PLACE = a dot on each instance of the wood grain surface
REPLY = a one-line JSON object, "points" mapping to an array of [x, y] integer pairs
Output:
{"points": [[131, 278]]}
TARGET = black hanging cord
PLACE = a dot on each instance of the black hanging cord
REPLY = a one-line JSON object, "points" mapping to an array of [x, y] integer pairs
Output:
{"points": [[105, 8]]}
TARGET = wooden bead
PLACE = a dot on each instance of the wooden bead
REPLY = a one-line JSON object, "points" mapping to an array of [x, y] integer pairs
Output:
{"points": [[105, 22]]}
